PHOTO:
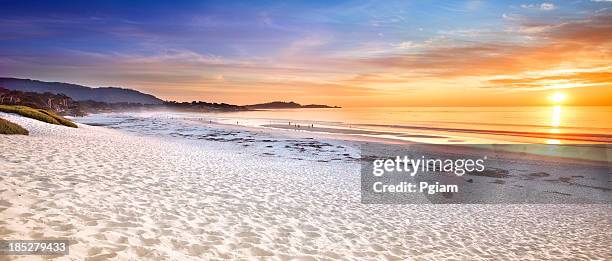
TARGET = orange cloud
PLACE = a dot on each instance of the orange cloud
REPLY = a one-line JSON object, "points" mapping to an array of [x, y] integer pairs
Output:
{"points": [[603, 78], [581, 42]]}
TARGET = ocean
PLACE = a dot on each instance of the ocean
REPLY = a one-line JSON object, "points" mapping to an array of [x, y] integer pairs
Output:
{"points": [[488, 125]]}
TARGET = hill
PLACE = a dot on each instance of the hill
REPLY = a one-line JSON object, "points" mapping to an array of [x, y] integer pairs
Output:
{"points": [[80, 92], [286, 105], [64, 105]]}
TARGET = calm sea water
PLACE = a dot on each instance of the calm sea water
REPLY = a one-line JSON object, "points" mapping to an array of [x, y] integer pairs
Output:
{"points": [[552, 125]]}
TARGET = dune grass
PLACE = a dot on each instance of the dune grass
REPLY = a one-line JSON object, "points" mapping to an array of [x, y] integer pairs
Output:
{"points": [[7, 127], [37, 114], [60, 119]]}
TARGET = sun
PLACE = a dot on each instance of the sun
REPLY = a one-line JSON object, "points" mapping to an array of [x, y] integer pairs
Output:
{"points": [[557, 97]]}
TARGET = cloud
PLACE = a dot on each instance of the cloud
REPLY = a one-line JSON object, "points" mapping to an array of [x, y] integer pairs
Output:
{"points": [[305, 45], [407, 45], [511, 17], [542, 6], [547, 6], [577, 42], [591, 77]]}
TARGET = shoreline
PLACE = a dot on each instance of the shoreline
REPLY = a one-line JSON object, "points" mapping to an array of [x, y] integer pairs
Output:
{"points": [[415, 128], [569, 153]]}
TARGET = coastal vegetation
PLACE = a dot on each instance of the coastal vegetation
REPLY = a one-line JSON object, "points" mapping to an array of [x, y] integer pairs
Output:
{"points": [[7, 127], [38, 114], [57, 103]]}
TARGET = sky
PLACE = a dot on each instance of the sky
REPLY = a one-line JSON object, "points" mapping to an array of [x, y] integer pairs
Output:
{"points": [[346, 53]]}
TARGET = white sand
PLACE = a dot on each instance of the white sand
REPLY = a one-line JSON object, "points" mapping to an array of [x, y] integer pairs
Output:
{"points": [[133, 197]]}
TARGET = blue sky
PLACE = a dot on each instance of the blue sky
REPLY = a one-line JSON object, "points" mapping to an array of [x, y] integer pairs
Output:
{"points": [[231, 28], [320, 50]]}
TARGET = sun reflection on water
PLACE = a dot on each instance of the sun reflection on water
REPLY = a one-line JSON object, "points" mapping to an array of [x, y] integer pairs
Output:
{"points": [[555, 122], [556, 116]]}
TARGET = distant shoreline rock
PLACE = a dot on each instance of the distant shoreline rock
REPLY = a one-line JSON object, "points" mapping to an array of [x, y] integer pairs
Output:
{"points": [[287, 105]]}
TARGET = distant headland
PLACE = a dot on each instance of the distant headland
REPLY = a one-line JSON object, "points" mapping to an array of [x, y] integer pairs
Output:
{"points": [[286, 105]]}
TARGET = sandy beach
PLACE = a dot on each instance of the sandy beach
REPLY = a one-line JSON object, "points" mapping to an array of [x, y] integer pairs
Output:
{"points": [[123, 195]]}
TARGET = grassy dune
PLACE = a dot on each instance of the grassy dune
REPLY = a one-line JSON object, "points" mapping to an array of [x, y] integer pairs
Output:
{"points": [[37, 114], [7, 127], [60, 119]]}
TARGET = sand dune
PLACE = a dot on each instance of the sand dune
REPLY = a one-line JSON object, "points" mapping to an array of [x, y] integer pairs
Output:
{"points": [[124, 196]]}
